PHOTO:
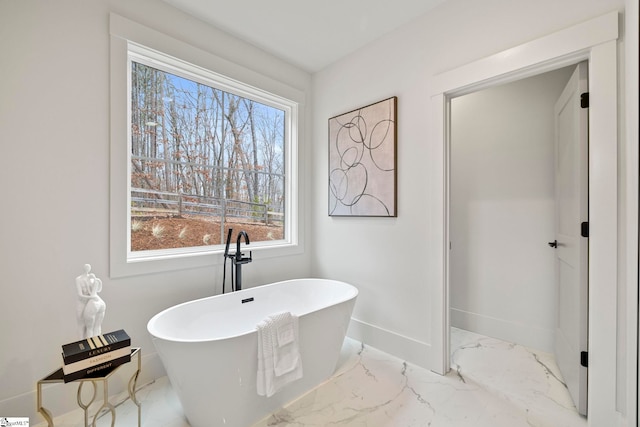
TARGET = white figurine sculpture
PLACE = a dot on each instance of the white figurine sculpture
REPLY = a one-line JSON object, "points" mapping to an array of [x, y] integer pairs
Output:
{"points": [[90, 309]]}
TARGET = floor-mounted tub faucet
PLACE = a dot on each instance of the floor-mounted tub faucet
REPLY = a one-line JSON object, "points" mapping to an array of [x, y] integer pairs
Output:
{"points": [[237, 259]]}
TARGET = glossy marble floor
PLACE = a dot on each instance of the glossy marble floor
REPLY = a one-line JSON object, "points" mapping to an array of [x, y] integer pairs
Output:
{"points": [[492, 384]]}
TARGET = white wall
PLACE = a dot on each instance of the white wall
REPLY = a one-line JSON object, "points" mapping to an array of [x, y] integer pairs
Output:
{"points": [[632, 23], [628, 398], [391, 260], [502, 281], [54, 129]]}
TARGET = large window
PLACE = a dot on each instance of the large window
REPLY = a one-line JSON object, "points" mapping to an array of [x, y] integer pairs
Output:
{"points": [[206, 153], [199, 144]]}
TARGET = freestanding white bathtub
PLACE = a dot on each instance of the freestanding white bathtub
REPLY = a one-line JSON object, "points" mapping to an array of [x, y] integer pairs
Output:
{"points": [[209, 347]]}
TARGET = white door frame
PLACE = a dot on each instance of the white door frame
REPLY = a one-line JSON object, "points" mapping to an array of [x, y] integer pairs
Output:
{"points": [[596, 42]]}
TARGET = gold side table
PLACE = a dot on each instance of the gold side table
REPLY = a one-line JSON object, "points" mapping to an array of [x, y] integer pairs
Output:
{"points": [[57, 377]]}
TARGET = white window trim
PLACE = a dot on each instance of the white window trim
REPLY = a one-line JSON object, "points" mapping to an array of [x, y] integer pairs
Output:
{"points": [[132, 40]]}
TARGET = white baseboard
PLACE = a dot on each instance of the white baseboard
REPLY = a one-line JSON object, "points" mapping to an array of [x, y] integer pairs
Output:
{"points": [[527, 335], [60, 398], [405, 348]]}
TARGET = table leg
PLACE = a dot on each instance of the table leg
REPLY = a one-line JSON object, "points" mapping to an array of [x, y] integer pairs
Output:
{"points": [[85, 406], [105, 404], [45, 412], [132, 391]]}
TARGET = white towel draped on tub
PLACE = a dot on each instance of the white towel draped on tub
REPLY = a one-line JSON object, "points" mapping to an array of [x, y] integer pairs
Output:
{"points": [[279, 360]]}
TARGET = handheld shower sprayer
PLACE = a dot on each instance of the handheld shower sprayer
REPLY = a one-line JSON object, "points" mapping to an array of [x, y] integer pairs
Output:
{"points": [[226, 249]]}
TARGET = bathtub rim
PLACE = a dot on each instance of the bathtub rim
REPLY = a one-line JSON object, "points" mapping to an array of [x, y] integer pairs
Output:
{"points": [[153, 331]]}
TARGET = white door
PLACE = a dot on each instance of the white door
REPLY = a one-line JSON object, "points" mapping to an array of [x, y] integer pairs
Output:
{"points": [[571, 125]]}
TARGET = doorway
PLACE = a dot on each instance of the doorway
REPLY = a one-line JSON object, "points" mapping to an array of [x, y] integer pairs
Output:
{"points": [[595, 41], [503, 215]]}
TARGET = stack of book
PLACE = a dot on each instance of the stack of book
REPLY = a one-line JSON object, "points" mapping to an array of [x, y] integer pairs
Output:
{"points": [[95, 356]]}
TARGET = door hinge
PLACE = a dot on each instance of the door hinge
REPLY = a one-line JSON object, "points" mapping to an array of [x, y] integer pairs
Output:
{"points": [[584, 100], [584, 358], [584, 229]]}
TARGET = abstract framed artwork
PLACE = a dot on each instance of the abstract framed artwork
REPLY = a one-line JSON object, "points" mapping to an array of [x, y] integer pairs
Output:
{"points": [[363, 161]]}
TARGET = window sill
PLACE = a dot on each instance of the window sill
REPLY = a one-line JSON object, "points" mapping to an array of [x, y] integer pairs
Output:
{"points": [[160, 263]]}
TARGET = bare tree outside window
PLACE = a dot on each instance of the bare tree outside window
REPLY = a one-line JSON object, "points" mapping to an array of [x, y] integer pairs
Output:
{"points": [[202, 160]]}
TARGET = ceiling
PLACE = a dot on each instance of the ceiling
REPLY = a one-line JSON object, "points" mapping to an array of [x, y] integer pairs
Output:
{"points": [[307, 34]]}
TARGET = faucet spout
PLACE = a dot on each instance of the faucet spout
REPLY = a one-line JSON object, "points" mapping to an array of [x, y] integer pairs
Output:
{"points": [[239, 259], [246, 241]]}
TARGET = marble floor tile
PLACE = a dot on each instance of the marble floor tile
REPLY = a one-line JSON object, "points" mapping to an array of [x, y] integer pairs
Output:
{"points": [[492, 383]]}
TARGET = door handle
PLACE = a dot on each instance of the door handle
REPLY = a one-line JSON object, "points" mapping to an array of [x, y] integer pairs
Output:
{"points": [[553, 244]]}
